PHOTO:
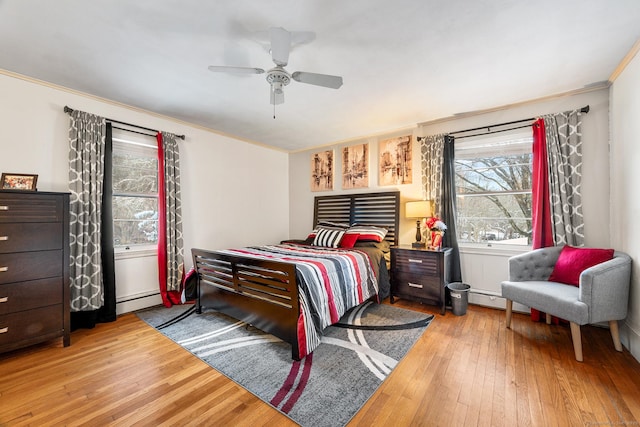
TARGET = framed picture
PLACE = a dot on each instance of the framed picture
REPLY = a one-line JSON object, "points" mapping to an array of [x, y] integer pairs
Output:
{"points": [[395, 161], [19, 181], [355, 166], [322, 171]]}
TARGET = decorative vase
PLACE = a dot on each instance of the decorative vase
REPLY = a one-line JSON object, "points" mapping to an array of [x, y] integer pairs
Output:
{"points": [[436, 239]]}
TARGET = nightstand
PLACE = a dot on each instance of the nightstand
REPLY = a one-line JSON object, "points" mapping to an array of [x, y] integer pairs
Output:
{"points": [[420, 274]]}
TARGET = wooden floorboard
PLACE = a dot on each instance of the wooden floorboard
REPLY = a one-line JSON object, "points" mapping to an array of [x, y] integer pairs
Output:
{"points": [[464, 371]]}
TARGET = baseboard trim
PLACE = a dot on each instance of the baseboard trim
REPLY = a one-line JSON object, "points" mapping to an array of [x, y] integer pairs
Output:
{"points": [[630, 338], [138, 302]]}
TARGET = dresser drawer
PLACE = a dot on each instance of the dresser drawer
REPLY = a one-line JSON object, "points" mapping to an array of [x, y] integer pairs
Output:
{"points": [[23, 207], [38, 323], [23, 237], [24, 266], [421, 287], [23, 296]]}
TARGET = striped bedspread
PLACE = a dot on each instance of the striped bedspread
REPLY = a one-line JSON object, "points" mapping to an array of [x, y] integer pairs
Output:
{"points": [[330, 282]]}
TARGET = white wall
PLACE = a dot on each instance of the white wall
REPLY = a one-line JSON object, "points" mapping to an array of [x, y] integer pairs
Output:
{"points": [[482, 269], [233, 192], [625, 175]]}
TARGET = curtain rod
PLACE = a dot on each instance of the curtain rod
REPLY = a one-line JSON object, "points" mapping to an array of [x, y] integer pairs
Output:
{"points": [[69, 110], [584, 109]]}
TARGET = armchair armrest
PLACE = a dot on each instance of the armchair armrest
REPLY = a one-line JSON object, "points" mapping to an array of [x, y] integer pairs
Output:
{"points": [[534, 265], [605, 288]]}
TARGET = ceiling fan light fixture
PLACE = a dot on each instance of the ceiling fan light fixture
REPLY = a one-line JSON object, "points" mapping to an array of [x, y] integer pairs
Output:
{"points": [[277, 87]]}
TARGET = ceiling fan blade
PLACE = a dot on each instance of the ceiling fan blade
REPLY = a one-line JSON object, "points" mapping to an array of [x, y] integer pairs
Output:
{"points": [[277, 94], [324, 80], [235, 70], [280, 45]]}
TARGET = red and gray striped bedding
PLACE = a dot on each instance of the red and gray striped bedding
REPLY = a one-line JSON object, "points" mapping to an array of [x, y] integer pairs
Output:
{"points": [[330, 282]]}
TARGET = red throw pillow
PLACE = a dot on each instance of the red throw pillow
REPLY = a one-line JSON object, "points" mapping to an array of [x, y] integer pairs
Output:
{"points": [[348, 240], [572, 261]]}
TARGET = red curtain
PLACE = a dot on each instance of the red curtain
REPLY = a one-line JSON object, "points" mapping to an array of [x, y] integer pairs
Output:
{"points": [[540, 209], [169, 298]]}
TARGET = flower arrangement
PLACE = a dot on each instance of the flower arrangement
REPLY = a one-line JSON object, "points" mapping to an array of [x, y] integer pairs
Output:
{"points": [[437, 228], [435, 224]]}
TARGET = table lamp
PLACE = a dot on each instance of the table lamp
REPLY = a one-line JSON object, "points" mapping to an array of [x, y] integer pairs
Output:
{"points": [[420, 209]]}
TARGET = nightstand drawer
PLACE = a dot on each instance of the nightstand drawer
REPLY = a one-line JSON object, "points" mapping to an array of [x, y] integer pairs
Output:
{"points": [[418, 262], [412, 285]]}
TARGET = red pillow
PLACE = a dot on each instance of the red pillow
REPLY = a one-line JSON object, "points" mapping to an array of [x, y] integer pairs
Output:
{"points": [[572, 261], [348, 240]]}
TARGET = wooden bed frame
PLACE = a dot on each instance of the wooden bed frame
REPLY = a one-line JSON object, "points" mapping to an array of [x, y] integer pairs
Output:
{"points": [[265, 293]]}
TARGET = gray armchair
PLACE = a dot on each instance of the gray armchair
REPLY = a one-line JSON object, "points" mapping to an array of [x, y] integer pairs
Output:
{"points": [[602, 295]]}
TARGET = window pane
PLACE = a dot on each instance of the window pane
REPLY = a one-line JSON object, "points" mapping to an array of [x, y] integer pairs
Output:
{"points": [[504, 173], [135, 220], [498, 217], [134, 173]]}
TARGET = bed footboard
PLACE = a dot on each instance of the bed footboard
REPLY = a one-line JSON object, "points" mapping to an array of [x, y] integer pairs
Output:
{"points": [[261, 293]]}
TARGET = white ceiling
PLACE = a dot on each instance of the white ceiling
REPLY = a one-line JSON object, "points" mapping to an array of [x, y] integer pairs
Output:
{"points": [[402, 61]]}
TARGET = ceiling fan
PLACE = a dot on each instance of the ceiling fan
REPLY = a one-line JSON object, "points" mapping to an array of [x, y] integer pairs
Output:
{"points": [[279, 47]]}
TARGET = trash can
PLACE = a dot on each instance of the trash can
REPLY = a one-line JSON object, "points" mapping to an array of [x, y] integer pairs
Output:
{"points": [[459, 297]]}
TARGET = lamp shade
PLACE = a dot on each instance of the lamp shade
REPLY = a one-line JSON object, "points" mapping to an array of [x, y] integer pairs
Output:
{"points": [[419, 209]]}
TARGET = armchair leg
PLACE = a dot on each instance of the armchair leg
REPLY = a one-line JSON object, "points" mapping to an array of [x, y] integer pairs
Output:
{"points": [[615, 334], [509, 310], [577, 340]]}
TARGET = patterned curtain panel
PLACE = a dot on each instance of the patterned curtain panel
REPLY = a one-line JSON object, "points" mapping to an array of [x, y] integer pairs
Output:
{"points": [[564, 151], [86, 173], [432, 158], [438, 176], [170, 260]]}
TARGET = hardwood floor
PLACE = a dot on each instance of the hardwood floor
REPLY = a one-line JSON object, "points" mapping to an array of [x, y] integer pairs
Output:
{"points": [[464, 371]]}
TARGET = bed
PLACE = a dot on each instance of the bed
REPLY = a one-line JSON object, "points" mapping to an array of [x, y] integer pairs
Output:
{"points": [[268, 286]]}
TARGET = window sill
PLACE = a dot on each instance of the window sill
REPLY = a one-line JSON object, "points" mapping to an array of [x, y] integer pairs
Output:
{"points": [[495, 249]]}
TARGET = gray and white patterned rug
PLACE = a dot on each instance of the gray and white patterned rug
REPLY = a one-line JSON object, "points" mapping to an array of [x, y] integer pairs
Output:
{"points": [[326, 388]]}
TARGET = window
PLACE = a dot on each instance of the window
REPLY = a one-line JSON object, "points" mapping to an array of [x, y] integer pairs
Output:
{"points": [[135, 191], [493, 188]]}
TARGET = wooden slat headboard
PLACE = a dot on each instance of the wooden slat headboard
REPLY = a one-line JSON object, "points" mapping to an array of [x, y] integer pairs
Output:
{"points": [[380, 209]]}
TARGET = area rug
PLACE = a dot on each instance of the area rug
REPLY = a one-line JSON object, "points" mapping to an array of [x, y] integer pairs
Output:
{"points": [[326, 388]]}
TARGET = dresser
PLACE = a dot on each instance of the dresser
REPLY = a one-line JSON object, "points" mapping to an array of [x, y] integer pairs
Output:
{"points": [[34, 268], [420, 274]]}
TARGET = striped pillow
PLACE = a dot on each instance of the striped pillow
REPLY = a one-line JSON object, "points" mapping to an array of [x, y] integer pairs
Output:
{"points": [[368, 233], [329, 225], [328, 237]]}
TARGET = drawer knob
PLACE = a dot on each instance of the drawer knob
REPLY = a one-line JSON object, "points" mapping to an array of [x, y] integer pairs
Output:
{"points": [[4, 238], [4, 330], [415, 285], [4, 269], [415, 260], [4, 299]]}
